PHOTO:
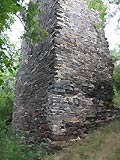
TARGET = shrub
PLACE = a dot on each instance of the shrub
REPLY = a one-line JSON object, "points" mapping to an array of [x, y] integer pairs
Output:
{"points": [[116, 88], [6, 104], [116, 75], [9, 148]]}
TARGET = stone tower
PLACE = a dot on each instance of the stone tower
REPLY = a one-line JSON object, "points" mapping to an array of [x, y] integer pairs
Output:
{"points": [[64, 84]]}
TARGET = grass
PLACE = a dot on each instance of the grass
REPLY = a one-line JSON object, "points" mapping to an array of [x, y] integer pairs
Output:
{"points": [[104, 144], [10, 150]]}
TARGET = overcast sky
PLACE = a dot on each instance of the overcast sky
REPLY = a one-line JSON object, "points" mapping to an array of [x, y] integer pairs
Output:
{"points": [[111, 35]]}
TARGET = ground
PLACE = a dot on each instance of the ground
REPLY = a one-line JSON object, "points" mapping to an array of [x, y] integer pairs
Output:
{"points": [[103, 144]]}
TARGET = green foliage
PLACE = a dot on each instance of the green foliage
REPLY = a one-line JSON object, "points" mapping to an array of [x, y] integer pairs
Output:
{"points": [[115, 53], [28, 15], [9, 57], [116, 98], [33, 33], [6, 100], [116, 76], [98, 5], [8, 8], [9, 148], [116, 88]]}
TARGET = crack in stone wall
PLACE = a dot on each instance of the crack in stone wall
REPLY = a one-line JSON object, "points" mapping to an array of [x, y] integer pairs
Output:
{"points": [[64, 84]]}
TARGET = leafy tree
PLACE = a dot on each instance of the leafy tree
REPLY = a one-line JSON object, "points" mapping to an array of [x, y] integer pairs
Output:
{"points": [[115, 53], [28, 15], [9, 56], [116, 88], [33, 33]]}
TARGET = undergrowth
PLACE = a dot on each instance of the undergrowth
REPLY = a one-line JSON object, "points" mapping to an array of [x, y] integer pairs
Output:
{"points": [[116, 87], [9, 148]]}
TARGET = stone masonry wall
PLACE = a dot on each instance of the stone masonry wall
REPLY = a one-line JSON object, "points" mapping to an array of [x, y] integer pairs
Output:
{"points": [[35, 73], [64, 84]]}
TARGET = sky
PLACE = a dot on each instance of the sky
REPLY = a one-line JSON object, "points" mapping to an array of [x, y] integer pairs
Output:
{"points": [[16, 31], [110, 33]]}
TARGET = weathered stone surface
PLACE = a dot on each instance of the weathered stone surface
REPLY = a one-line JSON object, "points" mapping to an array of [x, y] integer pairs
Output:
{"points": [[64, 84]]}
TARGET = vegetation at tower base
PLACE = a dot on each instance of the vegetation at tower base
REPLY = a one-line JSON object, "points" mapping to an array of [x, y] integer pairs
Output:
{"points": [[9, 147], [116, 75], [64, 85]]}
